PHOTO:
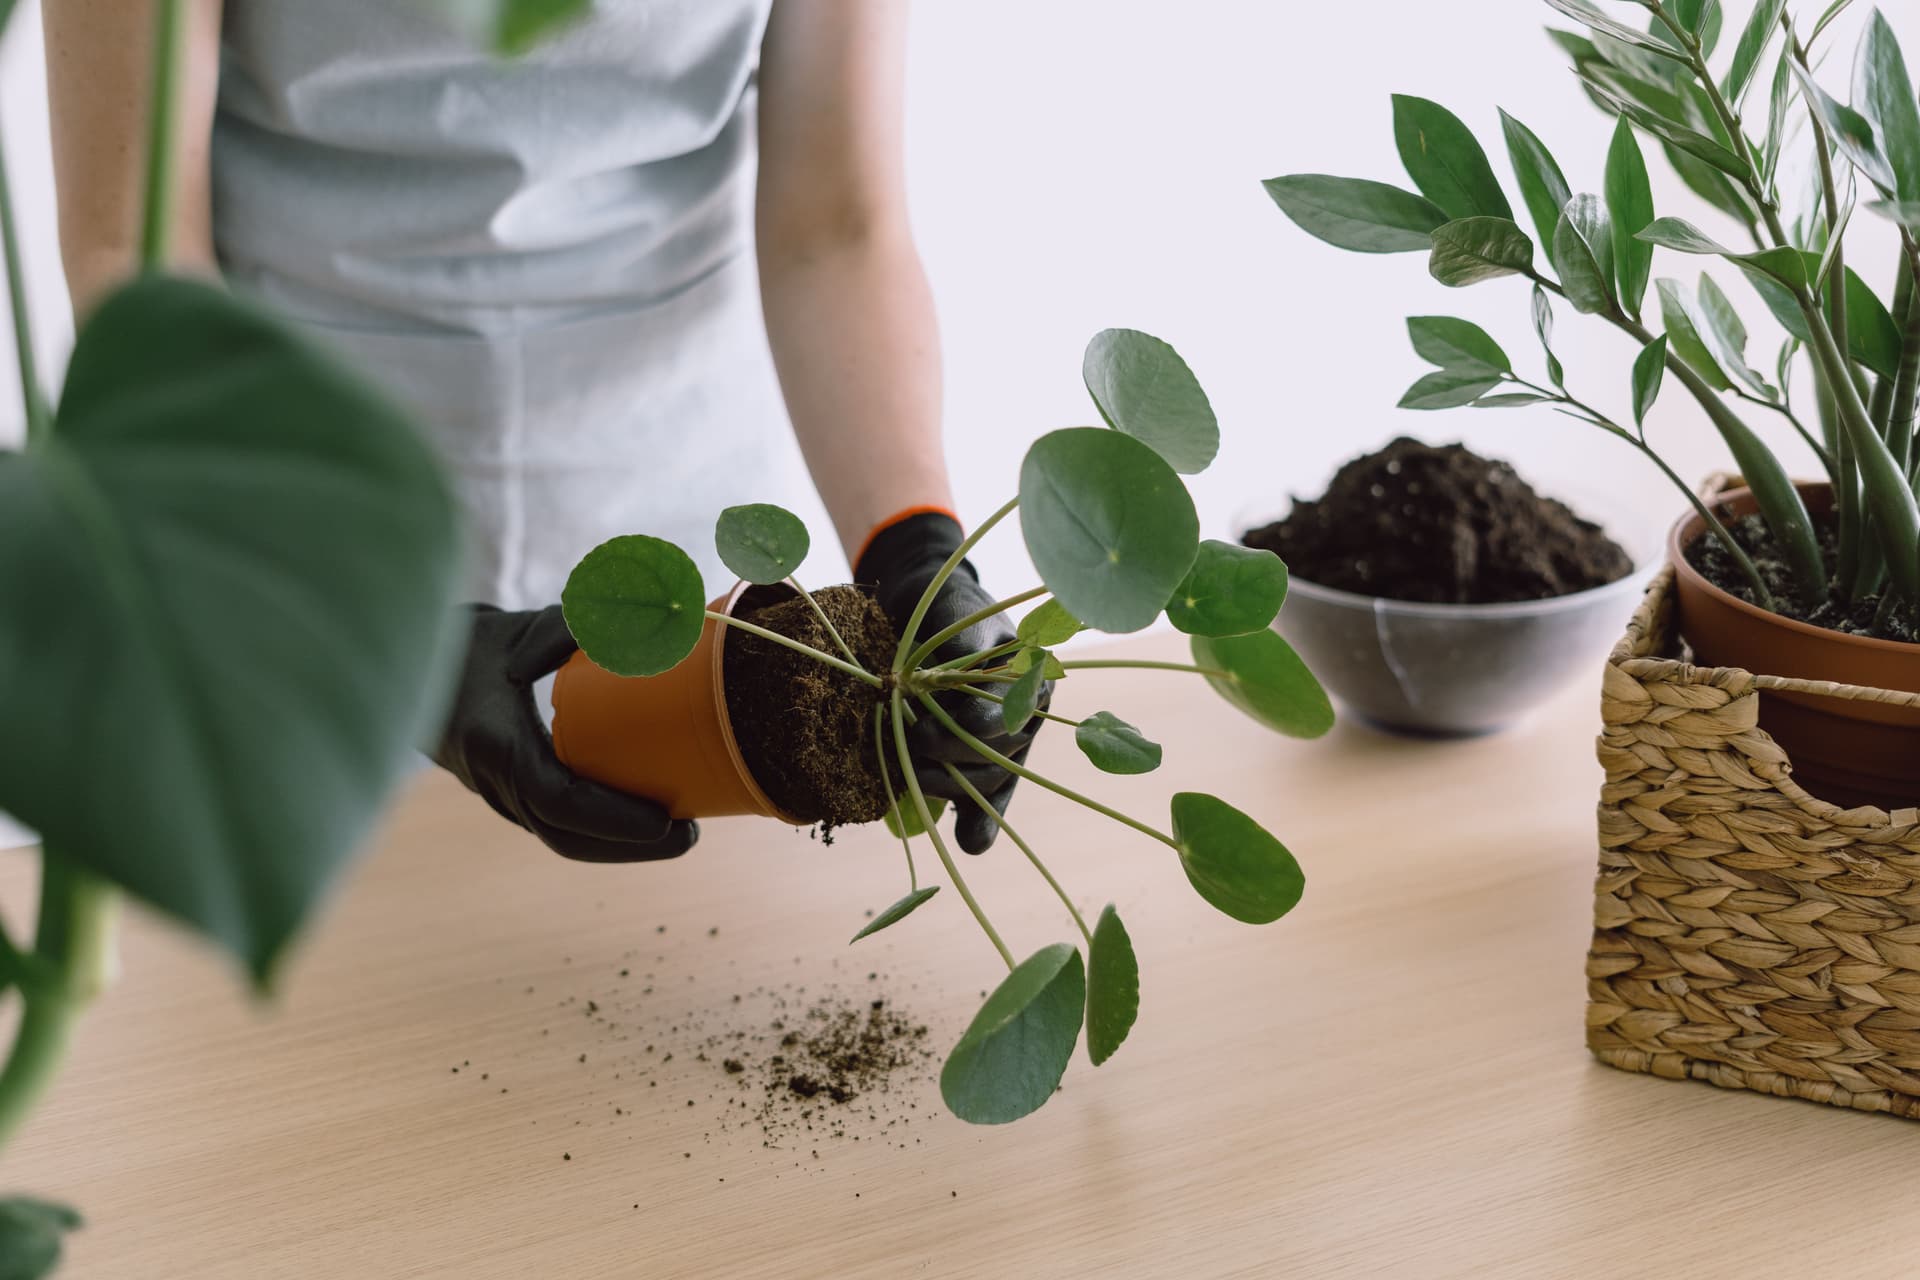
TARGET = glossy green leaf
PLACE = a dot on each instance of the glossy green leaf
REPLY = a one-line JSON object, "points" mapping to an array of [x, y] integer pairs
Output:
{"points": [[231, 577], [1779, 98], [1883, 93], [1629, 209], [1664, 127], [1456, 344], [1022, 698], [1114, 746], [1233, 862], [761, 543], [1475, 249], [1445, 161], [1723, 326], [1683, 335], [1113, 987], [1682, 236], [1357, 214], [1144, 388], [1872, 337], [1048, 624], [903, 818], [896, 913], [1108, 525], [1543, 188], [1023, 660], [514, 26], [1510, 400], [1011, 1058], [1594, 19], [33, 1232], [635, 605], [1448, 389], [1262, 675], [1827, 15], [1589, 216], [1702, 17], [1581, 278], [1649, 369], [1762, 22], [1230, 591], [1711, 184], [1543, 329], [1904, 212], [1852, 132]]}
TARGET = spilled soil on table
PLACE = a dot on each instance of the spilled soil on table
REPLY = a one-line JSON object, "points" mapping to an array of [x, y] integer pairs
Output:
{"points": [[805, 729], [1442, 525]]}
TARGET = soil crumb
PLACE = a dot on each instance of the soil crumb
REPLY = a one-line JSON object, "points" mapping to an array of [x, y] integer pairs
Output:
{"points": [[806, 730], [1860, 617], [1441, 525]]}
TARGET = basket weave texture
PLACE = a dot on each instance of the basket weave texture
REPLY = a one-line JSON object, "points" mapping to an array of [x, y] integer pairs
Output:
{"points": [[1745, 933]]}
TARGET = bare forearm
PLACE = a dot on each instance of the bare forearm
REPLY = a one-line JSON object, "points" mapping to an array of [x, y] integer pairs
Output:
{"points": [[99, 63], [852, 327]]}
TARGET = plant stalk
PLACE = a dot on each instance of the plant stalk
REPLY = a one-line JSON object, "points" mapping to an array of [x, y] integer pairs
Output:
{"points": [[156, 227], [833, 631], [72, 952], [1019, 770], [900, 665], [1140, 664], [1000, 820], [818, 655], [893, 800], [905, 757], [994, 610]]}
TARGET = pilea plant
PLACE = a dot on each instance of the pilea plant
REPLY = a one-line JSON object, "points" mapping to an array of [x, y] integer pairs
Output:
{"points": [[1595, 252], [229, 573], [1113, 533]]}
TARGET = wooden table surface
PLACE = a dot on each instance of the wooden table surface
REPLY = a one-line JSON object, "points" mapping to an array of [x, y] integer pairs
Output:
{"points": [[1389, 1082]]}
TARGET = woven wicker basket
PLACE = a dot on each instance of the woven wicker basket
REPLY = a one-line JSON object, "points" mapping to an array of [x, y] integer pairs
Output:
{"points": [[1745, 933]]}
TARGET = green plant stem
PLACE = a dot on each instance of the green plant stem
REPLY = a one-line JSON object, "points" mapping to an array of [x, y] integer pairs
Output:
{"points": [[1793, 419], [833, 631], [1906, 378], [72, 946], [900, 664], [974, 659], [957, 679], [926, 647], [886, 780], [817, 654], [1094, 664], [156, 226], [1019, 770], [1000, 820], [1000, 701], [39, 419], [933, 832]]}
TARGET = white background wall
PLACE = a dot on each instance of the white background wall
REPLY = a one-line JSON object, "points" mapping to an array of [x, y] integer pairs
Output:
{"points": [[1078, 164]]}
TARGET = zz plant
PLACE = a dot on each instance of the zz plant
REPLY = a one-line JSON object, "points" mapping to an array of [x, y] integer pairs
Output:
{"points": [[1112, 531], [1729, 126], [229, 574]]}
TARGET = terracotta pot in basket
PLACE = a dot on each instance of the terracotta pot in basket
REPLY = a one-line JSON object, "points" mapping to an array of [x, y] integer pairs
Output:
{"points": [[1851, 749], [667, 737]]}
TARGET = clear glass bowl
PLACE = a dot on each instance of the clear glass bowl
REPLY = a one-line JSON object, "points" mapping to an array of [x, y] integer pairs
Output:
{"points": [[1455, 670]]}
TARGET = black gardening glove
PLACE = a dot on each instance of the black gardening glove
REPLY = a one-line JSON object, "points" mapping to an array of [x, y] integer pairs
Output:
{"points": [[494, 742], [899, 563]]}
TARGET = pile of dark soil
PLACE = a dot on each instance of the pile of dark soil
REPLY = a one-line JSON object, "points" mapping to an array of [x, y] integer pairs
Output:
{"points": [[1859, 617], [806, 730], [1442, 525]]}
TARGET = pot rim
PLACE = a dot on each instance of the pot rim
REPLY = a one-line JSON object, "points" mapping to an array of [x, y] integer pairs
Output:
{"points": [[1690, 528], [1634, 583]]}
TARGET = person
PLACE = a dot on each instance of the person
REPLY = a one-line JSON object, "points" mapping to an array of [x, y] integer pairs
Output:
{"points": [[592, 274]]}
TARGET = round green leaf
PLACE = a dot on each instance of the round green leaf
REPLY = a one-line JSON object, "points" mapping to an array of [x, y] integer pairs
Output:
{"points": [[1023, 659], [1108, 525], [32, 1232], [635, 605], [1113, 987], [1047, 625], [1230, 591], [1017, 1047], [230, 576], [1265, 678], [1232, 862], [903, 818], [1022, 697], [1115, 746], [761, 543], [1145, 389], [896, 913]]}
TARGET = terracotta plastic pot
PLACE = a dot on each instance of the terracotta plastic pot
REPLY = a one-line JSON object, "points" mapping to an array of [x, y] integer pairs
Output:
{"points": [[667, 737], [1845, 751]]}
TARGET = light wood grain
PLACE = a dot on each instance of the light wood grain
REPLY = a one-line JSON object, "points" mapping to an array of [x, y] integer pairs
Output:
{"points": [[1389, 1082]]}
